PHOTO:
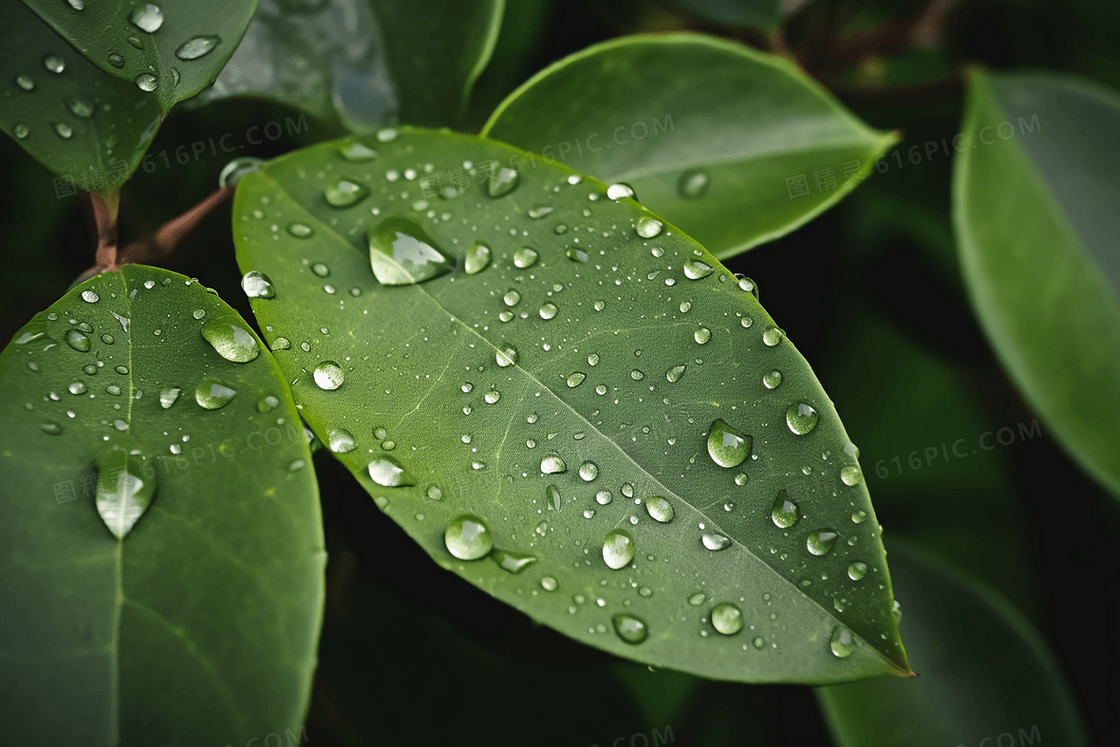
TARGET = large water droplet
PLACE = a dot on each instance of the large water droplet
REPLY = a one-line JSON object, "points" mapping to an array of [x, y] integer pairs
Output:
{"points": [[576, 255], [548, 311], [784, 512], [147, 82], [659, 509], [727, 618], [772, 380], [842, 642], [402, 254], [693, 184], [468, 538], [575, 379], [620, 190], [851, 475], [328, 375], [340, 441], [388, 473], [512, 561], [772, 336], [231, 340], [821, 541], [648, 227], [715, 542], [147, 17], [630, 628], [196, 47], [502, 182], [675, 373], [618, 549], [477, 258], [212, 394], [525, 257], [726, 446], [169, 396], [77, 340], [124, 489], [343, 192], [695, 269], [801, 418], [553, 465], [588, 471], [857, 570], [257, 285]]}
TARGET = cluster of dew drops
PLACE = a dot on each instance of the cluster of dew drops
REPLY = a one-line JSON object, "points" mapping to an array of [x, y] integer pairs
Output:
{"points": [[144, 21], [468, 537]]}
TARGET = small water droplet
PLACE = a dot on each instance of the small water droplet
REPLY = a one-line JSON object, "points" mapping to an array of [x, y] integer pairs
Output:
{"points": [[618, 549], [749, 286], [588, 471], [637, 374], [124, 487], [603, 497], [801, 418], [342, 193], [477, 259], [695, 269], [511, 561], [80, 106], [51, 428], [506, 355], [578, 255], [328, 375], [502, 181], [659, 509], [851, 475], [539, 212], [116, 60], [21, 130], [772, 380], [697, 599], [772, 336], [821, 541], [300, 230], [388, 473], [525, 257], [77, 340], [169, 396], [231, 341], [553, 465], [726, 446], [842, 642], [857, 570], [576, 379], [647, 227], [147, 82], [197, 46], [548, 583], [727, 618], [620, 190], [468, 538], [401, 253], [702, 335], [784, 513], [548, 311], [715, 542], [212, 394], [340, 441], [54, 63], [77, 388], [693, 184], [147, 17], [629, 628]]}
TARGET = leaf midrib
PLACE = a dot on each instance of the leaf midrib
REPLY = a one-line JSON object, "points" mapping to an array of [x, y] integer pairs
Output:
{"points": [[329, 230]]}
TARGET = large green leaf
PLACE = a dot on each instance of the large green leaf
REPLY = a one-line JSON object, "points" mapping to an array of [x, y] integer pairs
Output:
{"points": [[172, 49], [366, 62], [564, 391], [88, 127], [1034, 194], [969, 647], [199, 625], [735, 146]]}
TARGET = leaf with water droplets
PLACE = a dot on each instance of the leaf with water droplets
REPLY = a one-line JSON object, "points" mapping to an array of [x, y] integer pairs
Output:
{"points": [[365, 64], [734, 146], [967, 643], [574, 437], [171, 50], [131, 514], [1034, 220], [82, 124]]}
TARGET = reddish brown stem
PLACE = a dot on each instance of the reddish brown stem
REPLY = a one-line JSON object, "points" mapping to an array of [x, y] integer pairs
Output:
{"points": [[105, 223], [171, 234]]}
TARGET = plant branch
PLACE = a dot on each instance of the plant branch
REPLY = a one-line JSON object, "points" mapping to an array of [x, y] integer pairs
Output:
{"points": [[170, 236]]}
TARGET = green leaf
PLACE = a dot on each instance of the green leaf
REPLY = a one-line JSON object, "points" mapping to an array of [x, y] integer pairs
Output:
{"points": [[545, 399], [968, 645], [1034, 190], [366, 62], [734, 146], [74, 119], [159, 561], [172, 49], [759, 14]]}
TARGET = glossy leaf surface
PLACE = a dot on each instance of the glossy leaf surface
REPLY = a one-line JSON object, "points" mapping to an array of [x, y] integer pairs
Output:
{"points": [[170, 49], [967, 645], [366, 62], [537, 412], [161, 562], [74, 119], [734, 146], [1035, 188]]}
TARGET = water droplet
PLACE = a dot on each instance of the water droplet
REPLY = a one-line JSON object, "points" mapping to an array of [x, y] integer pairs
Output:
{"points": [[386, 135], [492, 397], [299, 230], [576, 379], [896, 612], [77, 388], [80, 106], [637, 374], [727, 446], [858, 517], [548, 311], [342, 193], [25, 82], [525, 257], [468, 538], [231, 341], [675, 373], [697, 599], [147, 82], [21, 131], [90, 296], [772, 380], [512, 561], [702, 335], [715, 542], [77, 4], [388, 473], [772, 336], [196, 47], [727, 618], [577, 255], [749, 286], [212, 394], [477, 259], [857, 570], [548, 583], [511, 298], [553, 465], [647, 227], [620, 190], [281, 343], [629, 628], [659, 509], [603, 497], [402, 254], [267, 403], [113, 389], [842, 642], [54, 63], [340, 441], [588, 471], [356, 152], [328, 375], [693, 184], [63, 130], [821, 541], [502, 182], [506, 355], [784, 512], [77, 340], [851, 475], [116, 60], [539, 212], [257, 285], [147, 17], [90, 369], [168, 397], [51, 428], [695, 269], [124, 488], [801, 418], [618, 549]]}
